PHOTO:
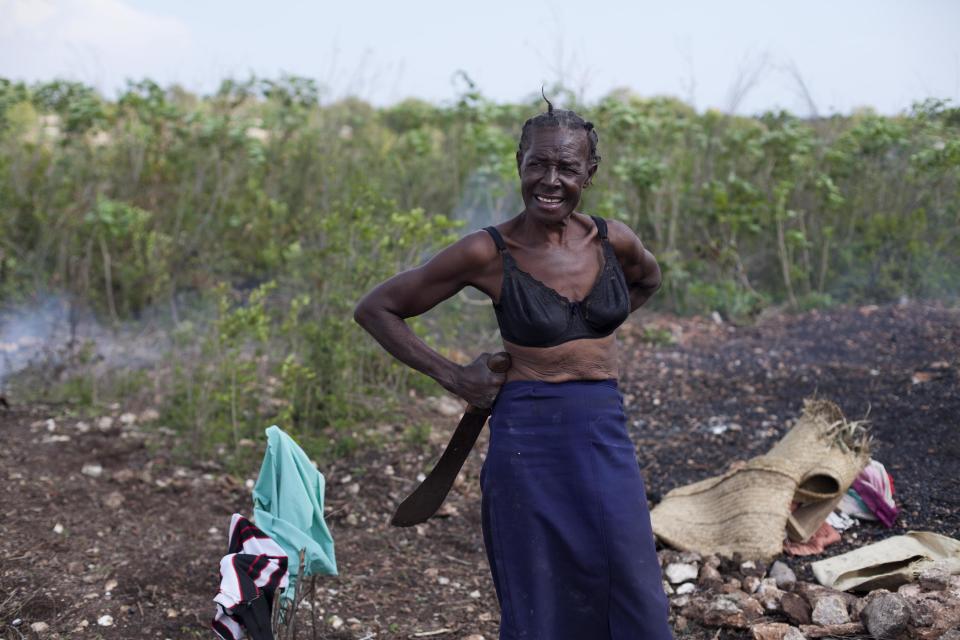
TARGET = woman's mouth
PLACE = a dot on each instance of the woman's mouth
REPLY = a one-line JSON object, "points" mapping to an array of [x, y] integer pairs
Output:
{"points": [[547, 200]]}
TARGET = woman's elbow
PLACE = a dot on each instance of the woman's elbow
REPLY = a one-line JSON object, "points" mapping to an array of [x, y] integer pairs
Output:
{"points": [[363, 312]]}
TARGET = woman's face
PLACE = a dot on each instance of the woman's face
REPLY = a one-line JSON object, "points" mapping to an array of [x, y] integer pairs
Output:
{"points": [[553, 172]]}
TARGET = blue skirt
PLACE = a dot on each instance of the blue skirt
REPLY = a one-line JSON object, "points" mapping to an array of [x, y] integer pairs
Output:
{"points": [[565, 519]]}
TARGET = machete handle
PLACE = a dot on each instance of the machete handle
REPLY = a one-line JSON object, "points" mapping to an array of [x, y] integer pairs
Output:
{"points": [[498, 363]]}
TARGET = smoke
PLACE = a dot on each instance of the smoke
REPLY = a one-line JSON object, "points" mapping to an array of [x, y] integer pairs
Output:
{"points": [[51, 331], [27, 331]]}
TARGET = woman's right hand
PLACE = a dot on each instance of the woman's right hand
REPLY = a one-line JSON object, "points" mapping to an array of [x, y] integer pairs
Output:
{"points": [[477, 383]]}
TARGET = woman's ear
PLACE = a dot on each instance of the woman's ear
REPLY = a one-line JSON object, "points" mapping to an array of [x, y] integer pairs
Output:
{"points": [[590, 171], [519, 159]]}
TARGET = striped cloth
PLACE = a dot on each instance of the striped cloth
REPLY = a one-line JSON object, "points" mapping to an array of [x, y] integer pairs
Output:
{"points": [[254, 568]]}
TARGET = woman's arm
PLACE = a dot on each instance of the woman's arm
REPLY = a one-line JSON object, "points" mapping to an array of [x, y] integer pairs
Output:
{"points": [[382, 312], [640, 268]]}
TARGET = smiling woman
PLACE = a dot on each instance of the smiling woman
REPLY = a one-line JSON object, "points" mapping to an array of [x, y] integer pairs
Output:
{"points": [[564, 511]]}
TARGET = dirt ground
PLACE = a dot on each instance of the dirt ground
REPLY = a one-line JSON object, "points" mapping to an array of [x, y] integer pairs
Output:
{"points": [[141, 541]]}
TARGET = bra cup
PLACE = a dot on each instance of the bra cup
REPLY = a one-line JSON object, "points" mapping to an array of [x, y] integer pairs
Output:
{"points": [[609, 305], [536, 315]]}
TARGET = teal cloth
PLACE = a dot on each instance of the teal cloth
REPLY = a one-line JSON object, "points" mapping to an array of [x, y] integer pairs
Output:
{"points": [[288, 505]]}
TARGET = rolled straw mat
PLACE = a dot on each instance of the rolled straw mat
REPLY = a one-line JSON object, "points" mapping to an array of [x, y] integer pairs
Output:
{"points": [[747, 509]]}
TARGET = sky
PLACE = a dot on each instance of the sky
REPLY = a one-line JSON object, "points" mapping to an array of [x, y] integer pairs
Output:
{"points": [[748, 56]]}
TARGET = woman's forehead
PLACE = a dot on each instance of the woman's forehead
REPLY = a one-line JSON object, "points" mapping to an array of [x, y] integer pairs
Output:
{"points": [[558, 140]]}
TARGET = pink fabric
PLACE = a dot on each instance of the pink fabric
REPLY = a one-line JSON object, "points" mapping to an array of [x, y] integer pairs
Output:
{"points": [[824, 537], [875, 487]]}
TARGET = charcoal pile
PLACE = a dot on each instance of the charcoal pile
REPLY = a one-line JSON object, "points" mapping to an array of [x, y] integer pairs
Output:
{"points": [[772, 604]]}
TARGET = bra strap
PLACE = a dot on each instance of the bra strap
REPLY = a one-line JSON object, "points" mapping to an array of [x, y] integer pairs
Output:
{"points": [[601, 226], [497, 238]]}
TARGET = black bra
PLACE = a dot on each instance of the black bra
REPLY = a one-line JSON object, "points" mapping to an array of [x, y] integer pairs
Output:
{"points": [[532, 314]]}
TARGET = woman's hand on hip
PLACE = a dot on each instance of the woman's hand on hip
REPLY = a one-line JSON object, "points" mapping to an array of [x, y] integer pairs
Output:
{"points": [[477, 384]]}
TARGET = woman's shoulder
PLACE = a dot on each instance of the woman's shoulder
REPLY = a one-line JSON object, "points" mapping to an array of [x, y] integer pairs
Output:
{"points": [[476, 248]]}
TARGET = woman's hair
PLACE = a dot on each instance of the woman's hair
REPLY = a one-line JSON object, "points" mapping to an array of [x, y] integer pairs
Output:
{"points": [[559, 118]]}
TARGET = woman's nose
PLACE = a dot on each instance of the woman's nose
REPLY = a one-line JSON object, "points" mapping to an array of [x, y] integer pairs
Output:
{"points": [[551, 176]]}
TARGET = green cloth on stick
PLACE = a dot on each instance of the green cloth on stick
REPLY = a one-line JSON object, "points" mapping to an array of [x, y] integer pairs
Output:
{"points": [[288, 505]]}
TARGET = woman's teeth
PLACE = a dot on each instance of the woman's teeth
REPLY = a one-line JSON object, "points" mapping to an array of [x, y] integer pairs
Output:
{"points": [[549, 200]]}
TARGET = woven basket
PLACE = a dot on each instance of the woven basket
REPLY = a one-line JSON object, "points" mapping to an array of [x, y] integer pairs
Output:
{"points": [[748, 509]]}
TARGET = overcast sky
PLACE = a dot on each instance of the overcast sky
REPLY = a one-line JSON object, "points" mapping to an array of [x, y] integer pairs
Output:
{"points": [[848, 53]]}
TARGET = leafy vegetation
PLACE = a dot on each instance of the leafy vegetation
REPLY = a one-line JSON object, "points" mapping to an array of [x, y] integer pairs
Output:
{"points": [[254, 218]]}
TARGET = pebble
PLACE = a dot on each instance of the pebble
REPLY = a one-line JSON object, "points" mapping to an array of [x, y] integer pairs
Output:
{"points": [[58, 528], [784, 575], [678, 572], [113, 500], [39, 627], [886, 615], [475, 594], [686, 587], [335, 621], [104, 423], [105, 621], [794, 634], [830, 610], [128, 419], [110, 585], [92, 469]]}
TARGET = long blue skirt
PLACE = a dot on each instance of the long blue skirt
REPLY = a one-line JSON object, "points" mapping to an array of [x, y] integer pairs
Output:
{"points": [[565, 519]]}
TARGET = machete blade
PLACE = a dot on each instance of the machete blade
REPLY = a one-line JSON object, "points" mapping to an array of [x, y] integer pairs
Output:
{"points": [[427, 498]]}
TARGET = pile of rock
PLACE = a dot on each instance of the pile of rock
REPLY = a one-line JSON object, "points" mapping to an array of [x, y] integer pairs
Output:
{"points": [[774, 605]]}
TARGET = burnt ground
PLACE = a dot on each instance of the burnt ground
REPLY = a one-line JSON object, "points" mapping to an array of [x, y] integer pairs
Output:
{"points": [[141, 542]]}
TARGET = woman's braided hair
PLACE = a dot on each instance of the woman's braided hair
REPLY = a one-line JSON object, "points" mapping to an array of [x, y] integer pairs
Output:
{"points": [[559, 118]]}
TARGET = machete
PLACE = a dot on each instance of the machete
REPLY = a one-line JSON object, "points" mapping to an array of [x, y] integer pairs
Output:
{"points": [[427, 498]]}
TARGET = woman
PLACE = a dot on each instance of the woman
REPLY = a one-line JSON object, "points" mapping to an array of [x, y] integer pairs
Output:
{"points": [[565, 520]]}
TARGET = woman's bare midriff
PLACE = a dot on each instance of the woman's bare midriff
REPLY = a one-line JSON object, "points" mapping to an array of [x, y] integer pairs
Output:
{"points": [[586, 359]]}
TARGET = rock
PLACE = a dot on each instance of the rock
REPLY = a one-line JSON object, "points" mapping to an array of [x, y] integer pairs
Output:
{"points": [[732, 610], [784, 575], [110, 585], [709, 578], [769, 596], [128, 419], [751, 584], [689, 557], [445, 406], [105, 621], [39, 627], [885, 616], [92, 469], [935, 578], [685, 588], [796, 608], [769, 631], [335, 621], [678, 572], [909, 590], [104, 424], [794, 634], [712, 561], [930, 609], [667, 589], [753, 568], [679, 602], [848, 629], [149, 415], [58, 528], [830, 610], [113, 500], [953, 634], [473, 636]]}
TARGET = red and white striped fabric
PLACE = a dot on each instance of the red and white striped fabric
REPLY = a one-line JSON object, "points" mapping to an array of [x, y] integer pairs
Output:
{"points": [[255, 567]]}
